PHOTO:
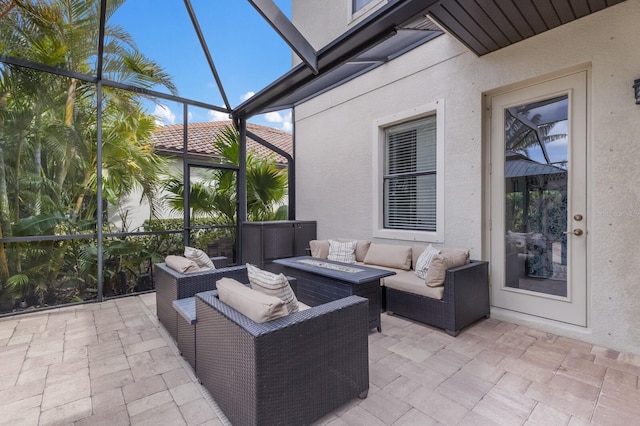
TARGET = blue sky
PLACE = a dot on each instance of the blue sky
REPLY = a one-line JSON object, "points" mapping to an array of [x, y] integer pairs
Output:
{"points": [[247, 52]]}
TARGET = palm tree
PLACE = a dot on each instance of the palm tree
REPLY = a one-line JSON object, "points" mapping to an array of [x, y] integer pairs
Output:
{"points": [[216, 195], [48, 143]]}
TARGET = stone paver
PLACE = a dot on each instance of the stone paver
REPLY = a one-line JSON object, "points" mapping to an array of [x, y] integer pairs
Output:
{"points": [[112, 364]]}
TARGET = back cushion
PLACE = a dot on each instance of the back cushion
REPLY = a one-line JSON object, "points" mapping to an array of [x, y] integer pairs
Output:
{"points": [[319, 248], [257, 306], [390, 255], [362, 247]]}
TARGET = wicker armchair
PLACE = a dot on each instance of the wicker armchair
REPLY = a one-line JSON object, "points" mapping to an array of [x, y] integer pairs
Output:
{"points": [[289, 371], [172, 285]]}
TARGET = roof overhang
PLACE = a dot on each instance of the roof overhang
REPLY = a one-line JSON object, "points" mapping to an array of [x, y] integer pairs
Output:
{"points": [[483, 26]]}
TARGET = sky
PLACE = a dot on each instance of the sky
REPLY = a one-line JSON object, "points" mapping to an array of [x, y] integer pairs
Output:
{"points": [[248, 54]]}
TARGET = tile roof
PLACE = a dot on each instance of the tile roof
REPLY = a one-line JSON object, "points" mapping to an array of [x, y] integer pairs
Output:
{"points": [[201, 135]]}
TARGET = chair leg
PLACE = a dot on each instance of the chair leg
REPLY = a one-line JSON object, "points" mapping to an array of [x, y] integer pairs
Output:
{"points": [[364, 394], [452, 332]]}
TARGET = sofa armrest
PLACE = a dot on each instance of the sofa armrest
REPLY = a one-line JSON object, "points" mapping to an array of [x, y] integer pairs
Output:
{"points": [[355, 303], [466, 291]]}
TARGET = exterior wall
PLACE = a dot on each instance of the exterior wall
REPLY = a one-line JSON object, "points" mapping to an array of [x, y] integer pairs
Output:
{"points": [[335, 139]]}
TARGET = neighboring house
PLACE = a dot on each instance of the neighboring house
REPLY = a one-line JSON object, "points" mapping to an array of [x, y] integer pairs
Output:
{"points": [[525, 151], [168, 140]]}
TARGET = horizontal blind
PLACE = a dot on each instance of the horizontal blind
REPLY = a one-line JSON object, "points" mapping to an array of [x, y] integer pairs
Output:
{"points": [[410, 175]]}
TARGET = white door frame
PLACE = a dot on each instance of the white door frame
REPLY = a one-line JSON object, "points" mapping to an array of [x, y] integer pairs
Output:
{"points": [[571, 309]]}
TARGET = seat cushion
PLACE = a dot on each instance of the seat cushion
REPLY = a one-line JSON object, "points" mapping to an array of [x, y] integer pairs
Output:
{"points": [[257, 306], [272, 284], [408, 282]]}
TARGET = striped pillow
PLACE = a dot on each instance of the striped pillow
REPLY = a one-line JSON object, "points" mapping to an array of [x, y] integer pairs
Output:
{"points": [[342, 251], [273, 285], [424, 261], [200, 257]]}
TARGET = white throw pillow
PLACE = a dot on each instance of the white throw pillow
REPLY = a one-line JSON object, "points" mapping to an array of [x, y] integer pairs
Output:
{"points": [[273, 285], [423, 262], [342, 251], [200, 257]]}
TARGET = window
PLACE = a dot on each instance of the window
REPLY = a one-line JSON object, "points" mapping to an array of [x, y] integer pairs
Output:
{"points": [[408, 193], [409, 179], [359, 4]]}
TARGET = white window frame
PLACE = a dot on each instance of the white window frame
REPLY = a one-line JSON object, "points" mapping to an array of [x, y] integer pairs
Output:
{"points": [[356, 14], [379, 127]]}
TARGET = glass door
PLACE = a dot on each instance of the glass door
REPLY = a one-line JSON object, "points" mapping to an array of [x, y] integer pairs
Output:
{"points": [[539, 199]]}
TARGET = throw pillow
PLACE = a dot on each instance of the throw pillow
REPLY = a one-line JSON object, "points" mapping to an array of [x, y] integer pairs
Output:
{"points": [[422, 265], [181, 264], [441, 262], [342, 251], [272, 284], [362, 246], [200, 257], [258, 306]]}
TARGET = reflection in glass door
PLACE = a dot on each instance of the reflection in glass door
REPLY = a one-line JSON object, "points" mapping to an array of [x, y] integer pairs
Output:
{"points": [[535, 172]]}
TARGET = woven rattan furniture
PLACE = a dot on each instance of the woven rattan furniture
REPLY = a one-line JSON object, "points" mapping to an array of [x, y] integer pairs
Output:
{"points": [[186, 329], [465, 300], [320, 281], [289, 371], [172, 285]]}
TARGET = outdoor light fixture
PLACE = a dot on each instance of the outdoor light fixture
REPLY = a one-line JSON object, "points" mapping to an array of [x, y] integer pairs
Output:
{"points": [[636, 90]]}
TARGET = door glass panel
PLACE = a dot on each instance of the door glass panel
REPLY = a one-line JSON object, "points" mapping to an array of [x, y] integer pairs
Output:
{"points": [[536, 167]]}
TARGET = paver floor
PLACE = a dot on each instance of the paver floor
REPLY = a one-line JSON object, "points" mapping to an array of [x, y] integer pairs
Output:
{"points": [[113, 364]]}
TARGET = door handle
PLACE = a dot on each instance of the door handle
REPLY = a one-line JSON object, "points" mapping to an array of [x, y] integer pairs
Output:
{"points": [[576, 232]]}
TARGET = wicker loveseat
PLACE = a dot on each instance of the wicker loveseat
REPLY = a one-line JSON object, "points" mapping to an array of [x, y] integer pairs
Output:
{"points": [[172, 285], [461, 298], [288, 371]]}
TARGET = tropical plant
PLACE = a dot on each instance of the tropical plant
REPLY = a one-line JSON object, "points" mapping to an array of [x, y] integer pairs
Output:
{"points": [[48, 134], [215, 195]]}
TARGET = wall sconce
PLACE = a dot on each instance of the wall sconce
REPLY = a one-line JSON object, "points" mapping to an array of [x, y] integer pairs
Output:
{"points": [[636, 90]]}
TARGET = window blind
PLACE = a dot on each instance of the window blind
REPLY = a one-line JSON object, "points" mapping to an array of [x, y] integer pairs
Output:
{"points": [[410, 175]]}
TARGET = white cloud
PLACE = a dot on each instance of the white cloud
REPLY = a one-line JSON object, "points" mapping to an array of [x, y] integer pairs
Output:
{"points": [[218, 116], [246, 96], [284, 118], [164, 116]]}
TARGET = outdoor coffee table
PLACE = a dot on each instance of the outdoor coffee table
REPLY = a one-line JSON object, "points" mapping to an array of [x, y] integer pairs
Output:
{"points": [[320, 281]]}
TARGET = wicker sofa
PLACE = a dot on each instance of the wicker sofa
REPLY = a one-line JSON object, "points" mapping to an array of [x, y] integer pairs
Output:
{"points": [[288, 371], [461, 299]]}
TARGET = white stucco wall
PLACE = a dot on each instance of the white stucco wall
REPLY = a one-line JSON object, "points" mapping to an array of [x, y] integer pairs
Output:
{"points": [[334, 142]]}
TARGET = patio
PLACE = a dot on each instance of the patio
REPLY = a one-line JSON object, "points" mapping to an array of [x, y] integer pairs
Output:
{"points": [[110, 363]]}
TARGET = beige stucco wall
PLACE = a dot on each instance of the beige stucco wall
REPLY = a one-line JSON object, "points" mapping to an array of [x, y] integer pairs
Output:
{"points": [[334, 141]]}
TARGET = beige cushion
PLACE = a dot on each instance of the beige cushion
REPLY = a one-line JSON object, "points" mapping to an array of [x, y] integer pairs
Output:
{"points": [[200, 257], [319, 248], [272, 284], [407, 281], [448, 258], [181, 264], [342, 252], [362, 247], [416, 251], [256, 305], [424, 261], [391, 255]]}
